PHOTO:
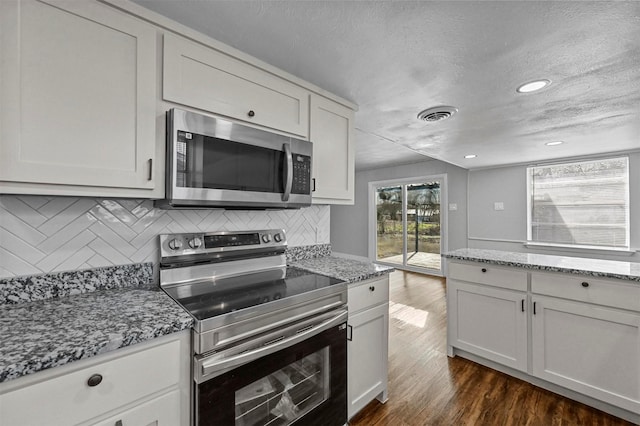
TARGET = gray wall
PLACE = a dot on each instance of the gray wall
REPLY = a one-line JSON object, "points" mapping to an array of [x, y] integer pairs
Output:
{"points": [[350, 224], [507, 229]]}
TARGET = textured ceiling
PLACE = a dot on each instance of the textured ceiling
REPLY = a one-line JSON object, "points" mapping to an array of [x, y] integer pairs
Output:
{"points": [[396, 58]]}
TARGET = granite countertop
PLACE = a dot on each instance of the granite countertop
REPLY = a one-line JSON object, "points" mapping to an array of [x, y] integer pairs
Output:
{"points": [[573, 265], [41, 334], [341, 268], [54, 319]]}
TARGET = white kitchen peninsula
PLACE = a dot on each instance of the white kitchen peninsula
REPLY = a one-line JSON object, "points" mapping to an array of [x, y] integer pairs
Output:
{"points": [[570, 325]]}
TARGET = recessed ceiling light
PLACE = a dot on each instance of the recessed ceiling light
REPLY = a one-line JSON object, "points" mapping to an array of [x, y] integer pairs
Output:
{"points": [[470, 156], [532, 86], [554, 143]]}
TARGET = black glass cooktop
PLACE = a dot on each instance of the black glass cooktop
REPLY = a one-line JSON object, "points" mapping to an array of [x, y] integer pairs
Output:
{"points": [[210, 298]]}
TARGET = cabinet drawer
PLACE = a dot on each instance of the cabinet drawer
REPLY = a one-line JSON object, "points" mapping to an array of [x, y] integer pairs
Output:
{"points": [[368, 294], [161, 411], [207, 79], [68, 399], [588, 289], [489, 274]]}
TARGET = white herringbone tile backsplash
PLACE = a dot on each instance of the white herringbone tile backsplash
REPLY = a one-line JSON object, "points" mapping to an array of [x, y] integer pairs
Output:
{"points": [[51, 234]]}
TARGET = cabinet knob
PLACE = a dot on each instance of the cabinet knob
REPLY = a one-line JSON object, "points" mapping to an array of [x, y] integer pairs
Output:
{"points": [[484, 269], [372, 288], [251, 113], [585, 284], [94, 380]]}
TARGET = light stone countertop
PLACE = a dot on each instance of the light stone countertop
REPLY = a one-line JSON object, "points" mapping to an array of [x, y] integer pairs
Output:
{"points": [[600, 268], [48, 333], [54, 319], [348, 270]]}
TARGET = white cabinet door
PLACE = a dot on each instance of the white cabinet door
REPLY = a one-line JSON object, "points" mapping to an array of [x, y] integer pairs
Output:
{"points": [[591, 349], [333, 151], [161, 411], [70, 399], [207, 79], [77, 95], [367, 355], [488, 322], [92, 389]]}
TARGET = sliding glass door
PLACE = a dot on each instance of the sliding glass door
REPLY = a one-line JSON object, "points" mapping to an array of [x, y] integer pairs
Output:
{"points": [[389, 213], [408, 223]]}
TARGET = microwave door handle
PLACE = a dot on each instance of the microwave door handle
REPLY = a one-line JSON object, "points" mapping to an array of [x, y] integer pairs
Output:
{"points": [[288, 176]]}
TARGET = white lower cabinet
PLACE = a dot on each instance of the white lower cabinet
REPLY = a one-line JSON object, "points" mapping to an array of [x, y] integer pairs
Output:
{"points": [[160, 411], [593, 350], [367, 350], [145, 384], [575, 334], [489, 322]]}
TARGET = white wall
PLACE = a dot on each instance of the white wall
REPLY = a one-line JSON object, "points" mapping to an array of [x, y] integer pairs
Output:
{"points": [[350, 224], [51, 234], [507, 229]]}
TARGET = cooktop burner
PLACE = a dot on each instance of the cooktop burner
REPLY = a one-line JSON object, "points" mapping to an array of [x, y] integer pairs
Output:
{"points": [[212, 297]]}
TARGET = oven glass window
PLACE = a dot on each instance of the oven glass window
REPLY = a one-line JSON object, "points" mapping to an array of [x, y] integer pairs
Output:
{"points": [[286, 394], [209, 162]]}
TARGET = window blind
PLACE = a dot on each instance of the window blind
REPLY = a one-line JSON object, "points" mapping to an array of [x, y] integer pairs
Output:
{"points": [[581, 203]]}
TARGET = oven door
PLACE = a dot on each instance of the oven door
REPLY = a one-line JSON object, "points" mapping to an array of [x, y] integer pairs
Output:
{"points": [[221, 163], [299, 381]]}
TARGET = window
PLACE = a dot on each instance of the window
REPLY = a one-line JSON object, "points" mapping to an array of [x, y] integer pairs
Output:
{"points": [[583, 203]]}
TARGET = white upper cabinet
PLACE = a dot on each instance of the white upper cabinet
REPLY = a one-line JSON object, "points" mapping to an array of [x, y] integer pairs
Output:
{"points": [[77, 99], [333, 151], [201, 77]]}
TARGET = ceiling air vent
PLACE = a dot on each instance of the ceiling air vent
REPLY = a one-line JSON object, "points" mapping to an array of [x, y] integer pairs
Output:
{"points": [[438, 113]]}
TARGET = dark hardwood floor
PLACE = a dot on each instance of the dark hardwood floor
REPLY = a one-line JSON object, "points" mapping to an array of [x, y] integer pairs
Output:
{"points": [[428, 388]]}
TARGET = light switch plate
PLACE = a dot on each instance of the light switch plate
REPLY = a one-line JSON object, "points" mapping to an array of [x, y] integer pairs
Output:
{"points": [[498, 205], [453, 207]]}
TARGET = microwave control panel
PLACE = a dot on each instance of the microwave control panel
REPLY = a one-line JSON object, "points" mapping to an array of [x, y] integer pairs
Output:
{"points": [[301, 174]]}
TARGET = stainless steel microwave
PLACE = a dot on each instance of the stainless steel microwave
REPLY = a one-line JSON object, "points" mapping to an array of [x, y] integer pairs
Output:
{"points": [[213, 162]]}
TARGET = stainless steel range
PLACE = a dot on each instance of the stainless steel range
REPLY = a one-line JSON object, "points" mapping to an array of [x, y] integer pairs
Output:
{"points": [[269, 342]]}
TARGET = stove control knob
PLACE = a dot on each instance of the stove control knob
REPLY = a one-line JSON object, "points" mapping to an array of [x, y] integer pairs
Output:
{"points": [[277, 238], [175, 244], [195, 243], [266, 238]]}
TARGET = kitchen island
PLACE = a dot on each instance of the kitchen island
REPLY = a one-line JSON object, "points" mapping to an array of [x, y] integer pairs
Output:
{"points": [[570, 325]]}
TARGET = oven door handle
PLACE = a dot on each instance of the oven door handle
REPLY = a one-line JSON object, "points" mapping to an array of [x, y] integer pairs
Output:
{"points": [[212, 366], [288, 177]]}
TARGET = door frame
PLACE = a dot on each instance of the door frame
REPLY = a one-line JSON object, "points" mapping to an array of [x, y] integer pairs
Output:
{"points": [[372, 226]]}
